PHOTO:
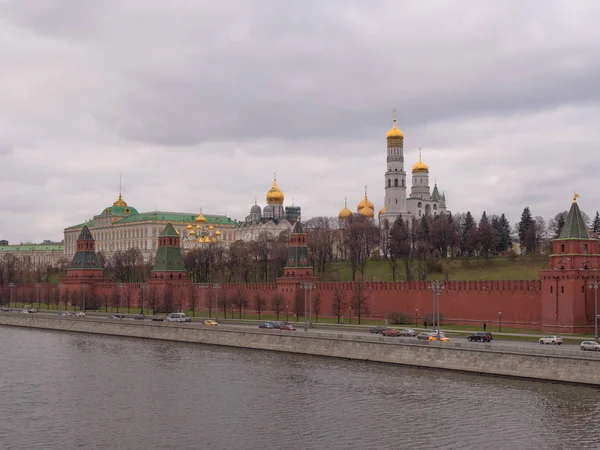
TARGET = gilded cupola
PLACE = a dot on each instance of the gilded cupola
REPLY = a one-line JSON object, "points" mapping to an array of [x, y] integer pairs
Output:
{"points": [[420, 166], [382, 211], [345, 212], [365, 202], [120, 201], [200, 218], [394, 133], [274, 195], [367, 212]]}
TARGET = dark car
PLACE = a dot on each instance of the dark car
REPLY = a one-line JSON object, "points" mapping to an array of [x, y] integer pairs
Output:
{"points": [[423, 336], [5, 309], [158, 319], [118, 316], [377, 330], [139, 317], [390, 332], [279, 324], [267, 325], [480, 337]]}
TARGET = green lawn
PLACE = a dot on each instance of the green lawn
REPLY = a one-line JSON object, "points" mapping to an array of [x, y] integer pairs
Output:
{"points": [[496, 268]]}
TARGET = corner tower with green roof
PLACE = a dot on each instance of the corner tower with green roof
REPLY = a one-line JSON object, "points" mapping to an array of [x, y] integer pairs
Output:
{"points": [[168, 263], [567, 300], [85, 265]]}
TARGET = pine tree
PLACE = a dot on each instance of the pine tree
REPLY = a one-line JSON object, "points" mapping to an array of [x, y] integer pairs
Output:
{"points": [[504, 239], [523, 226], [467, 225], [596, 224], [488, 236]]}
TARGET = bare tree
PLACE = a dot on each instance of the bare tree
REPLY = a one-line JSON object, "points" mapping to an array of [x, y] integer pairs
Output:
{"points": [[339, 303], [299, 300], [277, 303], [259, 304], [321, 241], [360, 295], [360, 237], [317, 305]]}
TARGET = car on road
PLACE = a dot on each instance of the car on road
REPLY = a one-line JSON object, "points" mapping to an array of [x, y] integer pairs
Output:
{"points": [[434, 337], [139, 317], [554, 340], [423, 336], [117, 316], [79, 314], [408, 332], [211, 323], [177, 317], [480, 336], [158, 319], [590, 345], [287, 327], [31, 310], [390, 332], [5, 309], [377, 330], [65, 314], [24, 311], [278, 324], [267, 325]]}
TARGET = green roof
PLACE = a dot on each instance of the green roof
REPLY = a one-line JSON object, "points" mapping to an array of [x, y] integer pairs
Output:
{"points": [[119, 211], [32, 248], [169, 231], [168, 259], [574, 227]]}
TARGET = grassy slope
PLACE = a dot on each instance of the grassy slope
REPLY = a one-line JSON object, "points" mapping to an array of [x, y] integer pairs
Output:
{"points": [[498, 268]]}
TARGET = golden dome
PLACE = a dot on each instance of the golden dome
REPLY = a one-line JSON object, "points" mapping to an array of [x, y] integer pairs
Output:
{"points": [[365, 203], [189, 227], [200, 219], [394, 133], [382, 211], [120, 202], [367, 212], [206, 239], [274, 195], [345, 213], [192, 233], [217, 233], [198, 227], [210, 227], [420, 166], [200, 239]]}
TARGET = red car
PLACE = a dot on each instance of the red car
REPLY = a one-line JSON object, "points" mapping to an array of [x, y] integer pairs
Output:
{"points": [[287, 327], [391, 332]]}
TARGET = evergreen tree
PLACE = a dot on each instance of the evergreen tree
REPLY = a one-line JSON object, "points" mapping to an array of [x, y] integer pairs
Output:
{"points": [[596, 224], [524, 226], [488, 236], [556, 224], [504, 239], [424, 229], [467, 225], [400, 243]]}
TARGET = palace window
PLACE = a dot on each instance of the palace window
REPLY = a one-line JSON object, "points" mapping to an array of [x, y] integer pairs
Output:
{"points": [[562, 248], [562, 289], [585, 248]]}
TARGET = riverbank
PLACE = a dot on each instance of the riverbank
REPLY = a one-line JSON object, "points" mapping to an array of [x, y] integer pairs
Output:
{"points": [[570, 366]]}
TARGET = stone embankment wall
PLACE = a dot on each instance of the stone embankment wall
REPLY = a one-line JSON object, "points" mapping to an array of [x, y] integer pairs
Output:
{"points": [[494, 359]]}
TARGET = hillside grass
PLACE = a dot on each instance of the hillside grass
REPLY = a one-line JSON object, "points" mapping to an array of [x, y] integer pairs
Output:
{"points": [[494, 268]]}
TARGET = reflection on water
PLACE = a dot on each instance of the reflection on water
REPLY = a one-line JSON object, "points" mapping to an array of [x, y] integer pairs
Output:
{"points": [[62, 390]]}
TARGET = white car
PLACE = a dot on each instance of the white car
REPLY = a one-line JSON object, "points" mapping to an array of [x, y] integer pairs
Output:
{"points": [[177, 317], [24, 311], [79, 314], [590, 345], [551, 340]]}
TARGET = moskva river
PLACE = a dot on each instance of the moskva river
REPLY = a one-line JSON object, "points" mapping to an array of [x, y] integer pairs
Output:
{"points": [[76, 391]]}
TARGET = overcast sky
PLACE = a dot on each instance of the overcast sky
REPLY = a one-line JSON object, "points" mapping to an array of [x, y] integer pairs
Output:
{"points": [[197, 103]]}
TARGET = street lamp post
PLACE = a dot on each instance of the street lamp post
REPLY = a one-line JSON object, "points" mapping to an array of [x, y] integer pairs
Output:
{"points": [[83, 287], [499, 321], [37, 294], [350, 307], [143, 286], [121, 286], [437, 287], [11, 286], [216, 286], [202, 287], [60, 286], [416, 317], [595, 285], [307, 287]]}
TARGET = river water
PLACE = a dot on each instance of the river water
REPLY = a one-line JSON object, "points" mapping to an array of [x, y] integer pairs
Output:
{"points": [[71, 391]]}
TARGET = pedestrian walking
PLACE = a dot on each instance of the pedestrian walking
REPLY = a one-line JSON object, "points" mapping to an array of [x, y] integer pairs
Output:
{"points": [[425, 324], [484, 326]]}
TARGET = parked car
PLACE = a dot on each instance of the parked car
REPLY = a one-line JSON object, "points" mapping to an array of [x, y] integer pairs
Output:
{"points": [[32, 310], [434, 337], [177, 317], [24, 311], [139, 317], [158, 319], [287, 327], [390, 332], [65, 314], [118, 316], [408, 332], [267, 325], [480, 336], [423, 336], [441, 333], [5, 309], [377, 330], [278, 324], [590, 345], [211, 323], [554, 340], [79, 314]]}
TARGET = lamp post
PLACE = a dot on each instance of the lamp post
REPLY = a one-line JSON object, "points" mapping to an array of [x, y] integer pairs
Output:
{"points": [[60, 286], [416, 317], [83, 287], [287, 311], [437, 287], [307, 287], [499, 321], [37, 294], [143, 287], [11, 286], [594, 284], [121, 286], [202, 287], [350, 307], [216, 286]]}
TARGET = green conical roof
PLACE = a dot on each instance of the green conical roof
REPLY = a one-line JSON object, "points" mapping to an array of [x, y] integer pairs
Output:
{"points": [[574, 227], [298, 229], [85, 234], [169, 231], [85, 259], [168, 259], [435, 196]]}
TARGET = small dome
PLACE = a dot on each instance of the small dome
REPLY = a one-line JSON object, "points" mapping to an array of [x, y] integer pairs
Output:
{"points": [[217, 233], [255, 209], [345, 212], [420, 166], [198, 227], [120, 202], [192, 233], [382, 211], [189, 227], [365, 203], [367, 212], [200, 219], [211, 227], [394, 133], [275, 195]]}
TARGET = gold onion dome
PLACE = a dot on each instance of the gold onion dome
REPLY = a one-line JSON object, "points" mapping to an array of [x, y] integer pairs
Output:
{"points": [[382, 211], [217, 233], [345, 213], [189, 227], [420, 166], [210, 227], [275, 195], [192, 233], [120, 202], [367, 212], [394, 133], [200, 219], [365, 203], [198, 227]]}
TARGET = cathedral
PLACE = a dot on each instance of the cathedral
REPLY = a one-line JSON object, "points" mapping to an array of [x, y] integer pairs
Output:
{"points": [[273, 219], [422, 201]]}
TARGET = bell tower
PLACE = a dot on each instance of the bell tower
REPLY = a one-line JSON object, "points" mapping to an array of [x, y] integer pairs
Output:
{"points": [[395, 176]]}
